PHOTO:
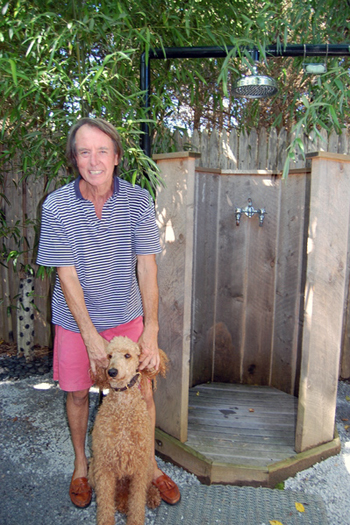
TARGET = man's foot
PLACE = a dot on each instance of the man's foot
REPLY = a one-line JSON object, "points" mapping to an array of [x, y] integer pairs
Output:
{"points": [[80, 492], [169, 491]]}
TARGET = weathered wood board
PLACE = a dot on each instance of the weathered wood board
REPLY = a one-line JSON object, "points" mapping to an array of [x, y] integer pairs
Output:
{"points": [[260, 277], [325, 286], [204, 277], [229, 296], [290, 281], [175, 216]]}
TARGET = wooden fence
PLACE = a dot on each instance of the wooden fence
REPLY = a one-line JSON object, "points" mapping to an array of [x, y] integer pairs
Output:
{"points": [[254, 151], [257, 150]]}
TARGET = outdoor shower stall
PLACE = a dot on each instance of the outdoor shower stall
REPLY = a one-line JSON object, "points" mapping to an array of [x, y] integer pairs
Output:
{"points": [[251, 316]]}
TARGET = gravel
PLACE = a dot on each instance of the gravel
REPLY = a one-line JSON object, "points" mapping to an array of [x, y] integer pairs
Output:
{"points": [[331, 478], [36, 457]]}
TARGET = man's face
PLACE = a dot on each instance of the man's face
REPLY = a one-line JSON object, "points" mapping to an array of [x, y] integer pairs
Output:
{"points": [[95, 156]]}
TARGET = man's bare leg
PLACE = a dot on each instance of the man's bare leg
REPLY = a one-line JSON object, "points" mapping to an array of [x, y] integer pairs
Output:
{"points": [[77, 407]]}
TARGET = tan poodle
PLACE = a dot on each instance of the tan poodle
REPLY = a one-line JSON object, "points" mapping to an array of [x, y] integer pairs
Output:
{"points": [[120, 470]]}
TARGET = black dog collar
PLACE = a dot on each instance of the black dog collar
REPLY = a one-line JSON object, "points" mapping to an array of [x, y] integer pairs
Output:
{"points": [[129, 385]]}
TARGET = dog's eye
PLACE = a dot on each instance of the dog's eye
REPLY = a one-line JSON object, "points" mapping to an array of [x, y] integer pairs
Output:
{"points": [[127, 356], [109, 356]]}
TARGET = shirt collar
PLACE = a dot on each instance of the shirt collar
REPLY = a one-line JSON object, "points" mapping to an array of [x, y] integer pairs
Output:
{"points": [[78, 192]]}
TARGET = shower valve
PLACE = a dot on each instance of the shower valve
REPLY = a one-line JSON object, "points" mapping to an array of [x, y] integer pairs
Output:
{"points": [[249, 211]]}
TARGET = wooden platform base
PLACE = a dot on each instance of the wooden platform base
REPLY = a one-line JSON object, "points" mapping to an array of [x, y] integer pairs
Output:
{"points": [[241, 435]]}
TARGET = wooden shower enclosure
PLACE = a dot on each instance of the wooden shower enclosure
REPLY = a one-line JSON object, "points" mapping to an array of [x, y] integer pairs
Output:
{"points": [[252, 306]]}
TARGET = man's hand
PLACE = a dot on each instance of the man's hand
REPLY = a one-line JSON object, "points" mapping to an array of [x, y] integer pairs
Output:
{"points": [[96, 348], [149, 357]]}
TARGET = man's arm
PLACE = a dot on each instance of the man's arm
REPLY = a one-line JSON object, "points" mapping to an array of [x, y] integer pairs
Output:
{"points": [[147, 278], [74, 296]]}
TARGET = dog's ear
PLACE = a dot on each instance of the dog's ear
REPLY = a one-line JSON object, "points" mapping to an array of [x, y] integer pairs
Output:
{"points": [[164, 363], [100, 378]]}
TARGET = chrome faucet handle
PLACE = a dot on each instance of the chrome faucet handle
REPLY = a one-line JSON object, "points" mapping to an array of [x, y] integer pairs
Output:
{"points": [[249, 211]]}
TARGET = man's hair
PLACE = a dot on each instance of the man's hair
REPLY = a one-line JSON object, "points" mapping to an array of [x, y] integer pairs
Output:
{"points": [[101, 124]]}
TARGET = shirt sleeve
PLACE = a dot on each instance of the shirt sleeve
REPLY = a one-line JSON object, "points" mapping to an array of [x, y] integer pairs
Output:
{"points": [[54, 248], [146, 237]]}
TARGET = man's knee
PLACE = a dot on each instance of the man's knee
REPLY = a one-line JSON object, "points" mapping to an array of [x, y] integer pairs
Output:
{"points": [[78, 398]]}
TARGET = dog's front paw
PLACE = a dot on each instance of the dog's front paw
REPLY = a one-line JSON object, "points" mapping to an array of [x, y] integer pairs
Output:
{"points": [[153, 497]]}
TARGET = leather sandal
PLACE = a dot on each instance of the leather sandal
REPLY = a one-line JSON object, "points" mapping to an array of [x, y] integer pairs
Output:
{"points": [[168, 490], [80, 492]]}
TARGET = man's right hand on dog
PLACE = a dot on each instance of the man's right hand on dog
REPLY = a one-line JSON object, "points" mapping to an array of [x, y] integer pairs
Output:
{"points": [[96, 347]]}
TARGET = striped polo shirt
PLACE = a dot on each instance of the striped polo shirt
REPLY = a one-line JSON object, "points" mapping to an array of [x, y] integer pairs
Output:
{"points": [[102, 251]]}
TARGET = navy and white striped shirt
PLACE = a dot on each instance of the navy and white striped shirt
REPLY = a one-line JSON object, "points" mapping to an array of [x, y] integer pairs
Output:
{"points": [[102, 251]]}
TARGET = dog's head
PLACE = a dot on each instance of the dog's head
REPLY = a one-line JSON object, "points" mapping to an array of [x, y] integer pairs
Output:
{"points": [[123, 355]]}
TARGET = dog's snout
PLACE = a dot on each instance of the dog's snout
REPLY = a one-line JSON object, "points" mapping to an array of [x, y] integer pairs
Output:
{"points": [[113, 372]]}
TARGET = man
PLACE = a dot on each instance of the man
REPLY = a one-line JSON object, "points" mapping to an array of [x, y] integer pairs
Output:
{"points": [[100, 233]]}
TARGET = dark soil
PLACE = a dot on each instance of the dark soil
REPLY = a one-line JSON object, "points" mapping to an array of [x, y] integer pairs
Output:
{"points": [[15, 366]]}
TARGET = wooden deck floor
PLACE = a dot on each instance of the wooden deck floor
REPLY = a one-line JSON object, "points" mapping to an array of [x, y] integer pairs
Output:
{"points": [[241, 424], [241, 435]]}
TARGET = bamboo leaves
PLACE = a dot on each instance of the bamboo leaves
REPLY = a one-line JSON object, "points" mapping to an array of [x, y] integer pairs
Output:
{"points": [[13, 71], [61, 60]]}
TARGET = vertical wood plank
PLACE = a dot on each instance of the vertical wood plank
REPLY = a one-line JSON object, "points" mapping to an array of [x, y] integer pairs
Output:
{"points": [[260, 270], [224, 151], [233, 151], [281, 149], [262, 149], [204, 151], [242, 151], [196, 145], [7, 330], [343, 146], [333, 142], [213, 150], [289, 288], [299, 161], [272, 150], [205, 262], [226, 331], [34, 195], [324, 300], [252, 150], [322, 143], [175, 216]]}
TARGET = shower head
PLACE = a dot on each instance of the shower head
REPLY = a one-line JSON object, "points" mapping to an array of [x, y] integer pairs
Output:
{"points": [[255, 86]]}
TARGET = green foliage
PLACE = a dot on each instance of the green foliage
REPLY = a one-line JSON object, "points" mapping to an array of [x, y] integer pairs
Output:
{"points": [[61, 60]]}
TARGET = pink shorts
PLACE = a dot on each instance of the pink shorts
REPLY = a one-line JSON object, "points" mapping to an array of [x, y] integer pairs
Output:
{"points": [[71, 364]]}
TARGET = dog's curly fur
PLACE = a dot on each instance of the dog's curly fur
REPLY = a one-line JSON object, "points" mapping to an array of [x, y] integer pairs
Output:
{"points": [[120, 469]]}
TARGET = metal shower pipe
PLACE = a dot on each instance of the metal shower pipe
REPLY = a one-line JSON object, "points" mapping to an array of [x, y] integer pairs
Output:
{"points": [[292, 50]]}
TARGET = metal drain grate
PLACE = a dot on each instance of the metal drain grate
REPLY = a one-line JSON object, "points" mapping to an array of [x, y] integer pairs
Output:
{"points": [[227, 505]]}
